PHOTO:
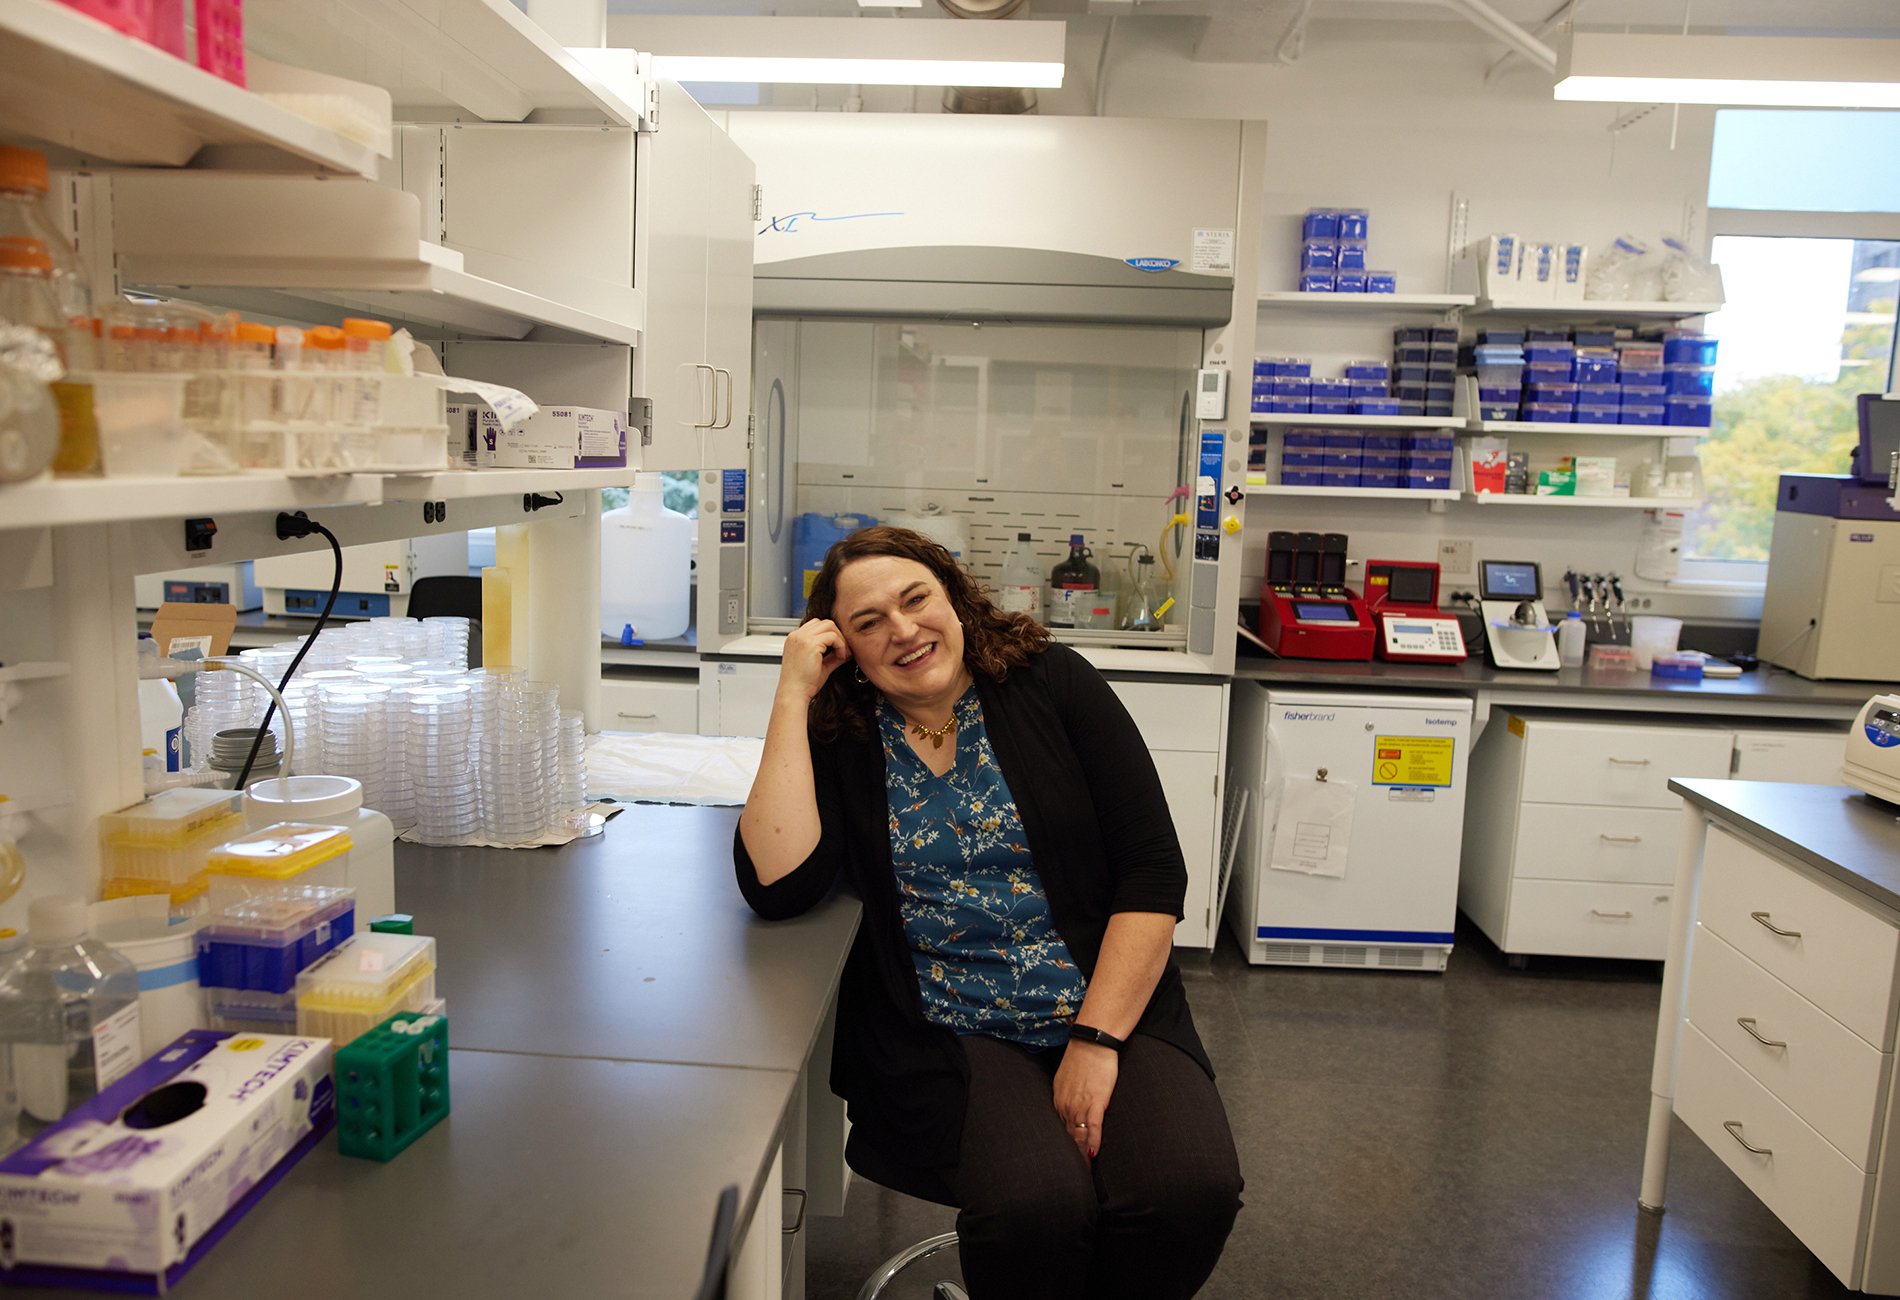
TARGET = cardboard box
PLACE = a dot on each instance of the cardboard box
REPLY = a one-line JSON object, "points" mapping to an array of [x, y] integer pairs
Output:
{"points": [[185, 625], [130, 1190], [556, 437]]}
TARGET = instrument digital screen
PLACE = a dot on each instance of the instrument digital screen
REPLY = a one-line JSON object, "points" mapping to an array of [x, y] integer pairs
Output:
{"points": [[1504, 580], [1414, 629], [1310, 613], [1410, 586]]}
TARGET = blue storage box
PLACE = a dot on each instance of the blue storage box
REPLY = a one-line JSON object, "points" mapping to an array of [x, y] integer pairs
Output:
{"points": [[1352, 223], [1375, 406], [1546, 335], [1378, 370], [1593, 337], [1302, 478], [1441, 376], [1599, 395], [1411, 408], [1685, 667], [1408, 373], [1281, 387], [1256, 458], [1591, 369], [1388, 460], [1303, 458], [1288, 406], [1315, 438], [1412, 354], [1348, 478], [1652, 380], [1343, 460], [1379, 478], [1349, 279], [1428, 465], [1441, 393], [1289, 367], [1320, 223], [1443, 353], [1689, 381], [1565, 393], [261, 943], [1549, 354], [1547, 374], [1364, 388], [1409, 392], [1438, 410], [1504, 411], [1341, 441], [1689, 349], [1427, 482], [1319, 255], [1381, 282], [1410, 334], [1501, 338], [1256, 437], [1316, 282], [1383, 441], [1548, 413], [1599, 415], [1352, 254], [1689, 411], [1332, 387], [1498, 396], [1429, 442], [1640, 413]]}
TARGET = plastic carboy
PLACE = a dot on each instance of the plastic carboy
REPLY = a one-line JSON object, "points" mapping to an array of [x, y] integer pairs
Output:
{"points": [[1070, 580], [1019, 586], [69, 1019], [645, 567]]}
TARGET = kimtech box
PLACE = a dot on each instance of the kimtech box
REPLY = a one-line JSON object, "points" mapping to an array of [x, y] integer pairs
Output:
{"points": [[555, 437], [130, 1190]]}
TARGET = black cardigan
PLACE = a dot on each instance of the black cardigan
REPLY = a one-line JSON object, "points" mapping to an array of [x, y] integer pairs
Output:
{"points": [[1101, 840]]}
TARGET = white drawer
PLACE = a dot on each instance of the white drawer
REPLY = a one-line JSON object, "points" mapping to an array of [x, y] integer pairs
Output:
{"points": [[1838, 956], [1174, 715], [1557, 841], [1627, 766], [1588, 919], [1811, 1187], [1821, 1071], [637, 704]]}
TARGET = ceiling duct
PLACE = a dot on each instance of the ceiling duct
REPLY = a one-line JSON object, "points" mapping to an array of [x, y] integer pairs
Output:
{"points": [[1005, 100]]}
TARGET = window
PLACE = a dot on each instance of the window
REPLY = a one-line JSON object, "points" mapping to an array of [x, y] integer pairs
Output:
{"points": [[1808, 326]]}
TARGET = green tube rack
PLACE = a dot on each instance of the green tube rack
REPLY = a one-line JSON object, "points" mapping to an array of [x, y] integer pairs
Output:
{"points": [[392, 1085]]}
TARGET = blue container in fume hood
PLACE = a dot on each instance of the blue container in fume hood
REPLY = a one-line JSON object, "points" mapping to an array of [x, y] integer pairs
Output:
{"points": [[812, 536]]}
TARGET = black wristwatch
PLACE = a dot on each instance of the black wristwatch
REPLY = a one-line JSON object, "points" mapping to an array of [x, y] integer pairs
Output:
{"points": [[1090, 1034]]}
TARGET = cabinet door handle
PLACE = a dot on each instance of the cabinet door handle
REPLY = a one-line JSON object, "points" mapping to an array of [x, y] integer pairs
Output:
{"points": [[1612, 916], [803, 1200], [644, 716], [1770, 925], [1748, 1023], [717, 422], [1631, 762], [1622, 839], [1734, 1127]]}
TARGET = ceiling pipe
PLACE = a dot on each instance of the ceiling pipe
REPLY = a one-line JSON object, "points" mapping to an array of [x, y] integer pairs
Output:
{"points": [[994, 99], [1500, 28], [1557, 19]]}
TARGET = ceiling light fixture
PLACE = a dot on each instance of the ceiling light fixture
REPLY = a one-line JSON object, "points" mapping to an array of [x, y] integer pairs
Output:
{"points": [[847, 51], [1773, 71]]}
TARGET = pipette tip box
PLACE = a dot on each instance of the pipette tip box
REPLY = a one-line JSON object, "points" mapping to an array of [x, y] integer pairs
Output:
{"points": [[358, 985], [262, 941]]}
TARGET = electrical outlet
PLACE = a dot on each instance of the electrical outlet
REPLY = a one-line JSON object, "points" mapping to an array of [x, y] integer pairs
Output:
{"points": [[1454, 557]]}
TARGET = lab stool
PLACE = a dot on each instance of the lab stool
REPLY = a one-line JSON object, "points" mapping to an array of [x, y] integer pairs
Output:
{"points": [[872, 1165]]}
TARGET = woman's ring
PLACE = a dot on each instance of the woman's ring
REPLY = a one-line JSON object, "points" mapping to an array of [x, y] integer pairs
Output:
{"points": [[1081, 1123]]}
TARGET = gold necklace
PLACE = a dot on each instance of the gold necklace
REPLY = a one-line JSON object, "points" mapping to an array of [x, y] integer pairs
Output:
{"points": [[936, 737]]}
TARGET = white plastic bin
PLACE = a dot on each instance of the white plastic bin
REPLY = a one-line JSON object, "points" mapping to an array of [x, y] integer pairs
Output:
{"points": [[140, 930]]}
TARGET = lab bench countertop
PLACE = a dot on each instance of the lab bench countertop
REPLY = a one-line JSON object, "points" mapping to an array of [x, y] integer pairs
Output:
{"points": [[1761, 685], [1851, 837]]}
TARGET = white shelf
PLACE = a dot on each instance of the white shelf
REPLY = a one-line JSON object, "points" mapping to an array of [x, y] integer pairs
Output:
{"points": [[52, 502], [1586, 503], [96, 96], [30, 671], [1365, 304], [1595, 309], [484, 56], [1382, 494], [1368, 421], [1593, 430]]}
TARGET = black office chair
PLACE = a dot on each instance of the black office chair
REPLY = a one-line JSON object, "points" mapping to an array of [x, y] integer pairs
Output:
{"points": [[451, 594], [869, 1163], [719, 1254]]}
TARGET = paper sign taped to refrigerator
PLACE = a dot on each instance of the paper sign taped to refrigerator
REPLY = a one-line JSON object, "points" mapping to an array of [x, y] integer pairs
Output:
{"points": [[1412, 760], [1313, 834]]}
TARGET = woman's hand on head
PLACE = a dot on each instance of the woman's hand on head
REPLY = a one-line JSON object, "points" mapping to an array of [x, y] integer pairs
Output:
{"points": [[813, 652], [1084, 1082]]}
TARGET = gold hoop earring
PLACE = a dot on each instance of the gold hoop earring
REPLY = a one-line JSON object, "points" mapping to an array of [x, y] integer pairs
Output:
{"points": [[861, 677]]}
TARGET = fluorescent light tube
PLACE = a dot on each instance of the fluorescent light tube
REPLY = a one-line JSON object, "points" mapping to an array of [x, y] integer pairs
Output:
{"points": [[1774, 71], [847, 51]]}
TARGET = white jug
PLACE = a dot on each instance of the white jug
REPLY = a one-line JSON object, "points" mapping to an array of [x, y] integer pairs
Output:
{"points": [[645, 567]]}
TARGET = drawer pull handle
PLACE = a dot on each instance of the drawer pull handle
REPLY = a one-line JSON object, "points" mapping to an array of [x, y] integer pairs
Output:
{"points": [[1734, 1127], [1622, 839], [1786, 934], [1748, 1023], [1612, 916], [636, 715], [1631, 762]]}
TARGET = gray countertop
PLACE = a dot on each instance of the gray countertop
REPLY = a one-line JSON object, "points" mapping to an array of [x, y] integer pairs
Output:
{"points": [[633, 945], [1837, 830], [1604, 689]]}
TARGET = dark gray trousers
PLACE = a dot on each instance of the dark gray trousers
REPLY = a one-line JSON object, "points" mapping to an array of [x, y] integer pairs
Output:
{"points": [[1146, 1218]]}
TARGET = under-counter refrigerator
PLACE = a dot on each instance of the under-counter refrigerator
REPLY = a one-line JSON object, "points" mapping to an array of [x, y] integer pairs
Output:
{"points": [[1349, 845]]}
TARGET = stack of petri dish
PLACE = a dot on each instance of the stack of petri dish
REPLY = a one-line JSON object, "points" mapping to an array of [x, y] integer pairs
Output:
{"points": [[399, 804], [224, 700], [485, 686], [355, 735], [518, 751], [439, 722], [447, 639], [570, 810]]}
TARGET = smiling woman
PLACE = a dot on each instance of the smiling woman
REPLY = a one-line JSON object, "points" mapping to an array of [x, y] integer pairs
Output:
{"points": [[1012, 1032]]}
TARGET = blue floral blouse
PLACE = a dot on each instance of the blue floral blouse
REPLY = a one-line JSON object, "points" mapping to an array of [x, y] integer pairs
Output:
{"points": [[988, 958]]}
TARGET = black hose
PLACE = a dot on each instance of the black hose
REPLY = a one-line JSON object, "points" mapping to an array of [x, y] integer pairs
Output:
{"points": [[289, 526]]}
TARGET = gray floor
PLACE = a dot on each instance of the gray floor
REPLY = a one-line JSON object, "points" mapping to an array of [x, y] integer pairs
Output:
{"points": [[1475, 1134]]}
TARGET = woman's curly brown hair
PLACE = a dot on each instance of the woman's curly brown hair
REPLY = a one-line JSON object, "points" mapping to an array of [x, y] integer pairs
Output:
{"points": [[993, 642]]}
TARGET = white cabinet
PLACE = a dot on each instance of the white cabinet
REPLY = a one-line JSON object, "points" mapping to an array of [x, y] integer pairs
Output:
{"points": [[1570, 831], [650, 701], [735, 699]]}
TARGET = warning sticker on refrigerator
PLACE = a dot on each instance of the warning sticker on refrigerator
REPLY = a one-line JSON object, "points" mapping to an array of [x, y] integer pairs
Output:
{"points": [[1416, 761]]}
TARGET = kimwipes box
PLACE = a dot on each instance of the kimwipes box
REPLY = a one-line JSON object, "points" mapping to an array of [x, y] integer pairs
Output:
{"points": [[131, 1189], [555, 437]]}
